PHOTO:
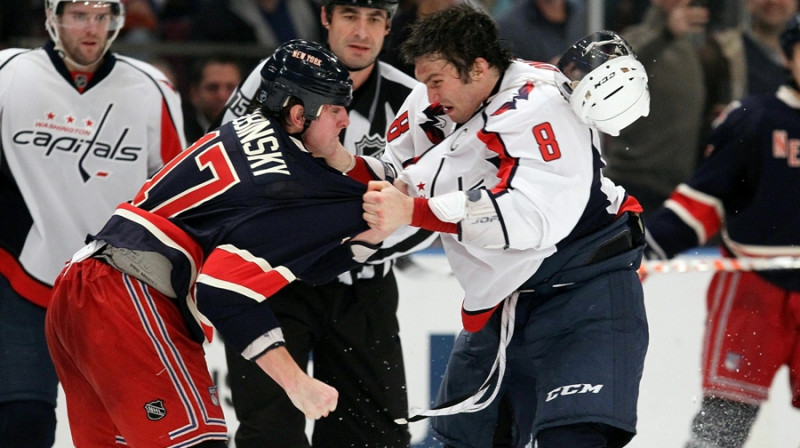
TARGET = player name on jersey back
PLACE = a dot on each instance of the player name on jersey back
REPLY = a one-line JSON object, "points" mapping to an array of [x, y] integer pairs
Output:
{"points": [[260, 145]]}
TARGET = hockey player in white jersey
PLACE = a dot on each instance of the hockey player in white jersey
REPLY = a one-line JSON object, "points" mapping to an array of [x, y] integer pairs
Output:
{"points": [[81, 129], [544, 246]]}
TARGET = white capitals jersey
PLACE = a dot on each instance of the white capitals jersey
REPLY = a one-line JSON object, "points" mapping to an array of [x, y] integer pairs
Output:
{"points": [[69, 158], [539, 162]]}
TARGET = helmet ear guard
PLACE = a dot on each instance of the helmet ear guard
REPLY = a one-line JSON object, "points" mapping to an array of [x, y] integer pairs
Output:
{"points": [[306, 71], [605, 84]]}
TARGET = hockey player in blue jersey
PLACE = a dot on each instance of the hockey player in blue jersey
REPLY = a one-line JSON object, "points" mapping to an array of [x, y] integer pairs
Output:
{"points": [[744, 191], [349, 324], [247, 209]]}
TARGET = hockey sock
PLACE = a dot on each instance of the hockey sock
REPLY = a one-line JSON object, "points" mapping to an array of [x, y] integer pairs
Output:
{"points": [[722, 423]]}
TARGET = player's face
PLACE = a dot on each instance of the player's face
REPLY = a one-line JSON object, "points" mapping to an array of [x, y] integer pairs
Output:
{"points": [[355, 34], [322, 136], [460, 99], [216, 86], [83, 29]]}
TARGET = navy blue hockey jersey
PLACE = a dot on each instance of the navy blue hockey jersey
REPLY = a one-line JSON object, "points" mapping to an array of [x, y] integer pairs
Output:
{"points": [[232, 219], [744, 190]]}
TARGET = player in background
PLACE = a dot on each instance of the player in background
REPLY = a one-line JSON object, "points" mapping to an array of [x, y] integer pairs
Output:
{"points": [[81, 128], [742, 192], [544, 246], [350, 324], [244, 211]]}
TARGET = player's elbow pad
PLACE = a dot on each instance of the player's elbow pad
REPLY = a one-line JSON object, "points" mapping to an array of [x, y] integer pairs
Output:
{"points": [[476, 213]]}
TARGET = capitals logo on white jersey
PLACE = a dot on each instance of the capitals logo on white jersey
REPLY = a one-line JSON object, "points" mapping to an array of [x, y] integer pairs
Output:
{"points": [[66, 133]]}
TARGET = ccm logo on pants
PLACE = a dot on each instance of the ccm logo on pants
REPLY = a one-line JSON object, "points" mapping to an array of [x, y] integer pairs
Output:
{"points": [[573, 389]]}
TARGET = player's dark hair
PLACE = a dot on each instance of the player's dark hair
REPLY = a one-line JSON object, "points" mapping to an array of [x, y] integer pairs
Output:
{"points": [[390, 6], [328, 9], [459, 35]]}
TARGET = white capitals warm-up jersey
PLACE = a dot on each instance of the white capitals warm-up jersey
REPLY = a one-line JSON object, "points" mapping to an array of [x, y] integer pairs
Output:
{"points": [[68, 158], [538, 160]]}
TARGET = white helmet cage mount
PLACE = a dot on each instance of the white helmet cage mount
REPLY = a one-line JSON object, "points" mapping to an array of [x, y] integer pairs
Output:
{"points": [[55, 8], [607, 86]]}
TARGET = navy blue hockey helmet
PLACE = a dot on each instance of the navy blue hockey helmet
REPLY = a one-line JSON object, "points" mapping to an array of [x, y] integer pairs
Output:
{"points": [[390, 6], [307, 71], [790, 36]]}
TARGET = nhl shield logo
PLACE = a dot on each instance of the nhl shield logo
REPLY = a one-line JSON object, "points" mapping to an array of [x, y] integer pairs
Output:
{"points": [[81, 81], [372, 145], [155, 410]]}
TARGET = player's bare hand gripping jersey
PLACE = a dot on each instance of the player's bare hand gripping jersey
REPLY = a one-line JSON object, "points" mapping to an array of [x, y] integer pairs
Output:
{"points": [[68, 158], [238, 215], [537, 181]]}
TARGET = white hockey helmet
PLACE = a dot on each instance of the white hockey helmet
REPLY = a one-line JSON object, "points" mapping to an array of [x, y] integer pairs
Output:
{"points": [[55, 8], [607, 85]]}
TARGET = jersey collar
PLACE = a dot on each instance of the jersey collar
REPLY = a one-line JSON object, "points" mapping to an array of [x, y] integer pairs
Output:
{"points": [[58, 63]]}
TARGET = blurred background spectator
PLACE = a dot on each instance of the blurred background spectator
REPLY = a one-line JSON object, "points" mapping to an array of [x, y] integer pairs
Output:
{"points": [[212, 80], [406, 16], [656, 153], [620, 14], [744, 60], [141, 21], [697, 64], [540, 30], [263, 22]]}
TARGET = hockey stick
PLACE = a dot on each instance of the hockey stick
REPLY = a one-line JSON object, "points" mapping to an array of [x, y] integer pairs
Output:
{"points": [[719, 264]]}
